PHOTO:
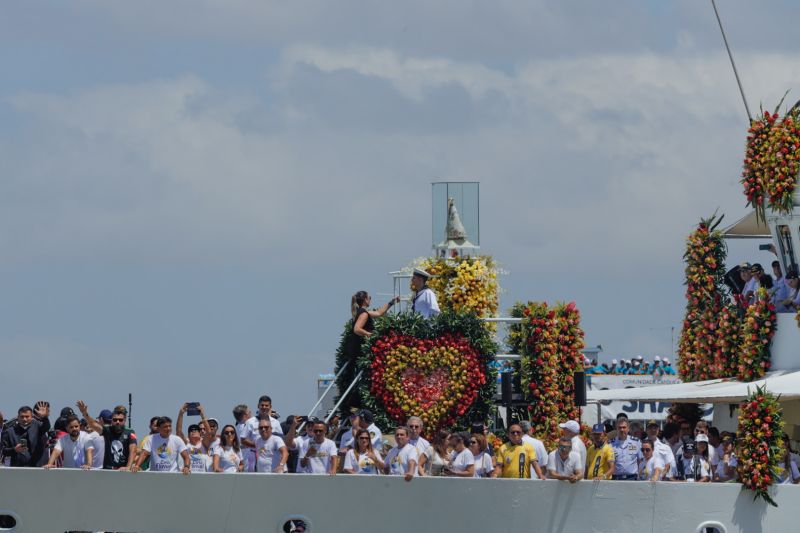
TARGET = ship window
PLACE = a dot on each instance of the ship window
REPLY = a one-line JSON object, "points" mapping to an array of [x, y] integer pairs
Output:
{"points": [[7, 522], [296, 524], [786, 248], [711, 527]]}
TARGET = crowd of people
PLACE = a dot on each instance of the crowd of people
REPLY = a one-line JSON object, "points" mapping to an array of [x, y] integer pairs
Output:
{"points": [[660, 366], [625, 450], [781, 290]]}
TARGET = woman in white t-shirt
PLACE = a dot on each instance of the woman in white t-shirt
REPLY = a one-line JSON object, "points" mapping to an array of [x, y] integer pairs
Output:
{"points": [[228, 456], [726, 468], [363, 459], [652, 468], [462, 462], [484, 466], [437, 454], [198, 453]]}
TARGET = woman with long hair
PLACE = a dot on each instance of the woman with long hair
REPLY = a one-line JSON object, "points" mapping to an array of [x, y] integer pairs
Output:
{"points": [[361, 327], [228, 456], [437, 454], [461, 462], [362, 458], [484, 465], [702, 466]]}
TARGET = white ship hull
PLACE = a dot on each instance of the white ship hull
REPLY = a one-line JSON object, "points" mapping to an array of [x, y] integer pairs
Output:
{"points": [[70, 500]]}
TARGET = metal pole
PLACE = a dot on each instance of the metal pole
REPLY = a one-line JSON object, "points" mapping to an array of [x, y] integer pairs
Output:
{"points": [[130, 410], [333, 382], [342, 397], [733, 64]]}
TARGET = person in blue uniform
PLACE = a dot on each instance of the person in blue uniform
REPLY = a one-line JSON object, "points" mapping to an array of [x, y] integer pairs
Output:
{"points": [[627, 453]]}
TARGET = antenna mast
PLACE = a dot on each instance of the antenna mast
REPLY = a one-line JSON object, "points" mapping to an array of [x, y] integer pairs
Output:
{"points": [[733, 64]]}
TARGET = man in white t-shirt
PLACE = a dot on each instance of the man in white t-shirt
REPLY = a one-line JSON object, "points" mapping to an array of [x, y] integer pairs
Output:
{"points": [[248, 436], [270, 451], [76, 447], [163, 448], [402, 459], [415, 438], [241, 414], [563, 463], [538, 446], [572, 429], [318, 455]]}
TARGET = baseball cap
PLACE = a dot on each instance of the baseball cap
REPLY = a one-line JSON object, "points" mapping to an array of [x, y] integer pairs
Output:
{"points": [[613, 361], [689, 446], [651, 423], [105, 414], [193, 427], [571, 425], [598, 428], [213, 420], [702, 437], [657, 358]]}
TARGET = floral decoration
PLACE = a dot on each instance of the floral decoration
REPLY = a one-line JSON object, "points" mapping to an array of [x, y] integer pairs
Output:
{"points": [[728, 339], [549, 340], [761, 445], [705, 271], [772, 160], [437, 369], [464, 284], [758, 328]]}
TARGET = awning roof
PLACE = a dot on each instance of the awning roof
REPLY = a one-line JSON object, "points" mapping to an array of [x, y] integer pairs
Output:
{"points": [[787, 384], [747, 227]]}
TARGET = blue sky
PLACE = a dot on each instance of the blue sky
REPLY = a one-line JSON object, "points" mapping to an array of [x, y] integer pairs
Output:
{"points": [[191, 191]]}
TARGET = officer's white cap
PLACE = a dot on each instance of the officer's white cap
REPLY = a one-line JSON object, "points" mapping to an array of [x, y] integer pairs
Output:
{"points": [[420, 272]]}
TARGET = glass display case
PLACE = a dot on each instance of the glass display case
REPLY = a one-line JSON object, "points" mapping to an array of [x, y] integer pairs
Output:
{"points": [[456, 218]]}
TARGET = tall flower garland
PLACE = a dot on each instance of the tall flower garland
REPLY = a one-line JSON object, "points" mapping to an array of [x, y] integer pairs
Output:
{"points": [[438, 369], [758, 328], [550, 341], [761, 443], [772, 160], [728, 339], [464, 284], [705, 270]]}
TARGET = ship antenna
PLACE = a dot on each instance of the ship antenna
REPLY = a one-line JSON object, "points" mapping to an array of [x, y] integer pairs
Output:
{"points": [[733, 64]]}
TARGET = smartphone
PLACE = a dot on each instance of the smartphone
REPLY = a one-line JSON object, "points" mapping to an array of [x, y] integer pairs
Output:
{"points": [[24, 443], [192, 408]]}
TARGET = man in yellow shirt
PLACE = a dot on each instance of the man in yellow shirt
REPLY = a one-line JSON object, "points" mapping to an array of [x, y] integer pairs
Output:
{"points": [[516, 458], [599, 456]]}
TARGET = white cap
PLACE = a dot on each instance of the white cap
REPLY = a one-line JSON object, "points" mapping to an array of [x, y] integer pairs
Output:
{"points": [[613, 361], [657, 358], [701, 438], [420, 272], [571, 425], [666, 360], [640, 358]]}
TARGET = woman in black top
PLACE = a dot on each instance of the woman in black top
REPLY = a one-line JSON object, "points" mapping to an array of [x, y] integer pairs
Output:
{"points": [[362, 327]]}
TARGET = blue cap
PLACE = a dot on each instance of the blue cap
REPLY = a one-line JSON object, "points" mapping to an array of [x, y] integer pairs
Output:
{"points": [[598, 428], [105, 414]]}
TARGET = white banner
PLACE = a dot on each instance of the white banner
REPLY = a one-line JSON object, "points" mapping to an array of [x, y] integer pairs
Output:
{"points": [[635, 410]]}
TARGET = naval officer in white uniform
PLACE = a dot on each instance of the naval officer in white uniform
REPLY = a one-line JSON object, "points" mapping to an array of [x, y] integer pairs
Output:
{"points": [[425, 300]]}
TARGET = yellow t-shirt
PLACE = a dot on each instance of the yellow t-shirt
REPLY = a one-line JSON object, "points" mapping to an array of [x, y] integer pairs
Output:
{"points": [[597, 461], [516, 459]]}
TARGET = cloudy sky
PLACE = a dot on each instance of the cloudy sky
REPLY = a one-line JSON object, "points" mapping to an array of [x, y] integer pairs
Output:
{"points": [[190, 191]]}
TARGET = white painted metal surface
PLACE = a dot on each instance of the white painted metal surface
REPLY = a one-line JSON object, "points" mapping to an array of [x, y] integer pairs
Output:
{"points": [[64, 500]]}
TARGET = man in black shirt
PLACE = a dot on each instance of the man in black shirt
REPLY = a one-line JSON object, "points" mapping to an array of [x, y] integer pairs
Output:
{"points": [[24, 442], [120, 442]]}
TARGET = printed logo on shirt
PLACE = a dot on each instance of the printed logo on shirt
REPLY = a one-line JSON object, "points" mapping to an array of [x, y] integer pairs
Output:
{"points": [[163, 451]]}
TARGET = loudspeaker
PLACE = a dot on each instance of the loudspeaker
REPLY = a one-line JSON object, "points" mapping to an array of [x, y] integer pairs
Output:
{"points": [[506, 387], [580, 389]]}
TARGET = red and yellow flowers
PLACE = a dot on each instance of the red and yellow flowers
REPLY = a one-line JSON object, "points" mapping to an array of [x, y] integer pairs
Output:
{"points": [[550, 341], [464, 284], [772, 160], [436, 369], [705, 270], [761, 445], [758, 328]]}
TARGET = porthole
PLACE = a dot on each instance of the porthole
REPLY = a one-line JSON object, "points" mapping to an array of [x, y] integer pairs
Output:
{"points": [[8, 522], [296, 524], [711, 527]]}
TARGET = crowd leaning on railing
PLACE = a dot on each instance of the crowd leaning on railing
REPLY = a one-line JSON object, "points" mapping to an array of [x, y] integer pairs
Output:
{"points": [[623, 451], [638, 366]]}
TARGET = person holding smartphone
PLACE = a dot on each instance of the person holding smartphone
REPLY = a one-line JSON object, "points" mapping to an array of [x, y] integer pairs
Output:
{"points": [[24, 442]]}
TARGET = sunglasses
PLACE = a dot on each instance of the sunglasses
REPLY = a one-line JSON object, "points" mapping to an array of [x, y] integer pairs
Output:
{"points": [[264, 428], [565, 447], [363, 438], [645, 450], [515, 432], [415, 427], [229, 433]]}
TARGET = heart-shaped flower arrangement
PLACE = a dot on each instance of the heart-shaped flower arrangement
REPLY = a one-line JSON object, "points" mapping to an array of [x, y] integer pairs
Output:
{"points": [[434, 369]]}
